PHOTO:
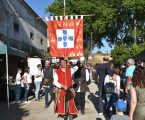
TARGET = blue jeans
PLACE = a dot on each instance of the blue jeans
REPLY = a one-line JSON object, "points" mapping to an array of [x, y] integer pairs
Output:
{"points": [[26, 92], [17, 92], [48, 90], [37, 89]]}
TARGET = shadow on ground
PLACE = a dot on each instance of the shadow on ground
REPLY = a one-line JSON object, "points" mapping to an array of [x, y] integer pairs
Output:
{"points": [[95, 100], [15, 111]]}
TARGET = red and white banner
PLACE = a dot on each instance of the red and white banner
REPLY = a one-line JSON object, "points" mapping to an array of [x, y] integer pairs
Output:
{"points": [[65, 37]]}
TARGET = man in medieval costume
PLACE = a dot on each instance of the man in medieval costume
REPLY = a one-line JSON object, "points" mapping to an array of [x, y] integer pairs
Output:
{"points": [[64, 95]]}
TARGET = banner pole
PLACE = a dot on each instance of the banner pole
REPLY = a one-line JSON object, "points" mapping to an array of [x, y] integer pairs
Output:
{"points": [[64, 7]]}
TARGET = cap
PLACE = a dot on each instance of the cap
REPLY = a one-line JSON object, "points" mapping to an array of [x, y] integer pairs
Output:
{"points": [[121, 105]]}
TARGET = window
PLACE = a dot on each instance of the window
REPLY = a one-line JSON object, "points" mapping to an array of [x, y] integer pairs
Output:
{"points": [[16, 27], [31, 36], [41, 41]]}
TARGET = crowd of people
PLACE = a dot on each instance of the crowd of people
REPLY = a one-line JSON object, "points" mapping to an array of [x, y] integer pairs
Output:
{"points": [[121, 89]]}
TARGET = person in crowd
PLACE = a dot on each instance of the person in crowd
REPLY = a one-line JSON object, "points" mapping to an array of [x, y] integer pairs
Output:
{"points": [[48, 82], [123, 77], [18, 85], [113, 93], [81, 79], [91, 71], [139, 63], [101, 72], [37, 81], [64, 93], [137, 90], [27, 83], [116, 81], [129, 74], [121, 107]]}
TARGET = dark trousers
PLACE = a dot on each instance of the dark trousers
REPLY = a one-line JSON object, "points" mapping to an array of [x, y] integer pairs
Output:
{"points": [[80, 100]]}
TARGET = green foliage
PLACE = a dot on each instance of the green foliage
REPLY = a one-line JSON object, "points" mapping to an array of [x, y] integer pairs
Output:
{"points": [[113, 20], [121, 52]]}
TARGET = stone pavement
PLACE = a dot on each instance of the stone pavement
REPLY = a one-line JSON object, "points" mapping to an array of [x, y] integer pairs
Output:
{"points": [[36, 111]]}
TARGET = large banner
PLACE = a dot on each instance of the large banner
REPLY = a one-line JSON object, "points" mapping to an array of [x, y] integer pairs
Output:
{"points": [[65, 37]]}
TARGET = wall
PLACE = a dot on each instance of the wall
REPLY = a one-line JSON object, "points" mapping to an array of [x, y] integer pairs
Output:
{"points": [[21, 14]]}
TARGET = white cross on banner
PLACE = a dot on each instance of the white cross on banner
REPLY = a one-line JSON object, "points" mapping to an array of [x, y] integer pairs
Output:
{"points": [[65, 38]]}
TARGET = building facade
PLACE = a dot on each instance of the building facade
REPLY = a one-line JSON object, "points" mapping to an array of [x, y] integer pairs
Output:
{"points": [[20, 28], [21, 35]]}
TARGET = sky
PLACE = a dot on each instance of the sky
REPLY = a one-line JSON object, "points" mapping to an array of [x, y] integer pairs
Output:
{"points": [[39, 7]]}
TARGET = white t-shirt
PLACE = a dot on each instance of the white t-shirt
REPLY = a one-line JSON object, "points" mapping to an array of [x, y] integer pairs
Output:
{"points": [[29, 77], [38, 79], [18, 78], [116, 83]]}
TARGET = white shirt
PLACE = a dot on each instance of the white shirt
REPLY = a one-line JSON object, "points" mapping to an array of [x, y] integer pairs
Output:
{"points": [[18, 78], [28, 77], [38, 79], [55, 76]]}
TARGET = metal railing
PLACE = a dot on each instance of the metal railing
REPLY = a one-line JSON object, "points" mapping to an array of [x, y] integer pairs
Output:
{"points": [[23, 46]]}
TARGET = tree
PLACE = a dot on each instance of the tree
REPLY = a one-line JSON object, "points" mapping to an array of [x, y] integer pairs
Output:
{"points": [[113, 20], [121, 52]]}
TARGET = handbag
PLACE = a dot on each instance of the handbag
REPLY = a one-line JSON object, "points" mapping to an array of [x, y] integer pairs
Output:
{"points": [[70, 94]]}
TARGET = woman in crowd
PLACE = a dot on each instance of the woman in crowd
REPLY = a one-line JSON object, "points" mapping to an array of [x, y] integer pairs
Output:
{"points": [[137, 103], [27, 83], [38, 79], [18, 85], [113, 92]]}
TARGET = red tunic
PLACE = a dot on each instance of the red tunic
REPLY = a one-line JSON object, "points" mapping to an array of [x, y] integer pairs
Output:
{"points": [[60, 109]]}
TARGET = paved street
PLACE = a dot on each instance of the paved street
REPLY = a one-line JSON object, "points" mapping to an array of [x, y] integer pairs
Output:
{"points": [[36, 111]]}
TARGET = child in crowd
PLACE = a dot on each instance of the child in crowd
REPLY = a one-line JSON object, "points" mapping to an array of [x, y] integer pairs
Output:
{"points": [[120, 108]]}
